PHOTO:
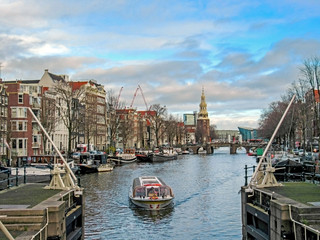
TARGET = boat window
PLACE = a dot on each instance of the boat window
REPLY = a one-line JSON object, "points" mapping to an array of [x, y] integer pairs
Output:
{"points": [[165, 191], [153, 192], [140, 192]]}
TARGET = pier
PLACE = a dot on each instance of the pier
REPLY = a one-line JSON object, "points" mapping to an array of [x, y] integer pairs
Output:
{"points": [[290, 211], [32, 211]]}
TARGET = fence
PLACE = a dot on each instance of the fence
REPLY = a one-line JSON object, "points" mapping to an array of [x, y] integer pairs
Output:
{"points": [[7, 180]]}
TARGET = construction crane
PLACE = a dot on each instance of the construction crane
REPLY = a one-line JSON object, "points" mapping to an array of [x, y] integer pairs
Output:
{"points": [[145, 102], [117, 102], [135, 94]]}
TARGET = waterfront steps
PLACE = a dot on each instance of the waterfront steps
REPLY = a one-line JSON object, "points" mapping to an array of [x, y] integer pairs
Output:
{"points": [[23, 219]]}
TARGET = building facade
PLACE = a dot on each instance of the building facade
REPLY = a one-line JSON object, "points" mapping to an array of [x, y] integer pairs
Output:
{"points": [[4, 146]]}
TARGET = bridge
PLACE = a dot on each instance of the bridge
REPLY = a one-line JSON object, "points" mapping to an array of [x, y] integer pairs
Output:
{"points": [[209, 147]]}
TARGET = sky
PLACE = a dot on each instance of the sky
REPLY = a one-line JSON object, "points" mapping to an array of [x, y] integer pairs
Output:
{"points": [[244, 54]]}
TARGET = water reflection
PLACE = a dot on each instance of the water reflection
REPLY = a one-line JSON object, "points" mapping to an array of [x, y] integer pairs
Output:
{"points": [[152, 216]]}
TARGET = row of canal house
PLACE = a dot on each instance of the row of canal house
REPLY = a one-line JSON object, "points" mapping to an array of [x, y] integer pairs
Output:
{"points": [[21, 139]]}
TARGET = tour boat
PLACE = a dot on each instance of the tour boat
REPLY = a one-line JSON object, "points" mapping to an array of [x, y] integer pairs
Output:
{"points": [[151, 193]]}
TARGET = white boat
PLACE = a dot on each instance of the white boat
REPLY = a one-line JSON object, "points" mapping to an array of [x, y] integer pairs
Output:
{"points": [[151, 193], [105, 167], [128, 156], [202, 151]]}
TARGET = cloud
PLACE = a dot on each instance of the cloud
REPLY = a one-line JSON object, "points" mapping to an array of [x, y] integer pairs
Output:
{"points": [[245, 54]]}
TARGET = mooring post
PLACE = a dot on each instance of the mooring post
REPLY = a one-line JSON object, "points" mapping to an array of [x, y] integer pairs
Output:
{"points": [[8, 180], [17, 178], [25, 174], [245, 175]]}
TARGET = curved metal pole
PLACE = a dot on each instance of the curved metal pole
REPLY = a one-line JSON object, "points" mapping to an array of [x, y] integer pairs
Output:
{"points": [[55, 147], [271, 140]]}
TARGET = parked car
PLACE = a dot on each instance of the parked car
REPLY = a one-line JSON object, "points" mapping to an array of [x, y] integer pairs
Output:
{"points": [[296, 151], [301, 152], [76, 155]]}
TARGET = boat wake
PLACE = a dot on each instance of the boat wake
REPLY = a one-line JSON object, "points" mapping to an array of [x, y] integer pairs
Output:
{"points": [[183, 201]]}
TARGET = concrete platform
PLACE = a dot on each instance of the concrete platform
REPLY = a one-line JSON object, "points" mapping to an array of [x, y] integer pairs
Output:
{"points": [[25, 196]]}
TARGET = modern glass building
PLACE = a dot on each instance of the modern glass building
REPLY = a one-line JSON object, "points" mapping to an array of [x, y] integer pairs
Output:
{"points": [[248, 133]]}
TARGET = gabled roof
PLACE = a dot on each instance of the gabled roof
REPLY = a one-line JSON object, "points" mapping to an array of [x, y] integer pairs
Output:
{"points": [[77, 85], [56, 78]]}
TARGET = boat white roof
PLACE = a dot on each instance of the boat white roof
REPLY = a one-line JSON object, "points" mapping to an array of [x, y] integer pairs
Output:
{"points": [[147, 181]]}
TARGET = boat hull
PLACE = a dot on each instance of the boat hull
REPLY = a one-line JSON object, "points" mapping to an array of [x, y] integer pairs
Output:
{"points": [[143, 158], [162, 157], [84, 168], [151, 204], [119, 160]]}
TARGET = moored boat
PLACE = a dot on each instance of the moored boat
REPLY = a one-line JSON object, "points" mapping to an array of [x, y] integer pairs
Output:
{"points": [[151, 193], [161, 157], [143, 156], [105, 167], [127, 157], [88, 166]]}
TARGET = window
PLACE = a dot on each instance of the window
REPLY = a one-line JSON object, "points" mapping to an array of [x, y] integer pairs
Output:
{"points": [[19, 126], [20, 143], [18, 112], [13, 112], [13, 125], [14, 143], [20, 98]]}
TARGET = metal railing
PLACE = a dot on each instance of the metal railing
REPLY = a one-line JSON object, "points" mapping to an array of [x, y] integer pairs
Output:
{"points": [[9, 178], [43, 229]]}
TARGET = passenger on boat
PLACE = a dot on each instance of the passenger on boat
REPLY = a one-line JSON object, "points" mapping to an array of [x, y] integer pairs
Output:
{"points": [[152, 192]]}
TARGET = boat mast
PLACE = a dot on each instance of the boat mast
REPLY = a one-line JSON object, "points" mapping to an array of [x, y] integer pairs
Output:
{"points": [[57, 182], [265, 177]]}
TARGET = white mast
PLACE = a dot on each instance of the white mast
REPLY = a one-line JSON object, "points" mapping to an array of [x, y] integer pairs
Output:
{"points": [[260, 178], [57, 182]]}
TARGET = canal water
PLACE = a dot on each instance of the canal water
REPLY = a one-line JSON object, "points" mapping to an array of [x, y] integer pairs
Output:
{"points": [[207, 202]]}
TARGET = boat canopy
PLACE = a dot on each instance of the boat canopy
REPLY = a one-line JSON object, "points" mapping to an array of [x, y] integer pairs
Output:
{"points": [[150, 187]]}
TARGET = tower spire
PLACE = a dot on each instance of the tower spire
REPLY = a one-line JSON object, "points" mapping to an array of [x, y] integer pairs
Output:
{"points": [[203, 113]]}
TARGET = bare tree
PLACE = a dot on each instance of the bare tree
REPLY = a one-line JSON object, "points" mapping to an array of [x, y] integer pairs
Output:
{"points": [[66, 97], [170, 128], [48, 117], [90, 120], [114, 118], [125, 126], [311, 73], [213, 134], [158, 121]]}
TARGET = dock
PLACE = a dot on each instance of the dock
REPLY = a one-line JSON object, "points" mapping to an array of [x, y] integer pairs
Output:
{"points": [[290, 211], [31, 211]]}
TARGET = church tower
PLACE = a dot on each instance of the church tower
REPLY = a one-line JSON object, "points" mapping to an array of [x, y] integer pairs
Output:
{"points": [[203, 122]]}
